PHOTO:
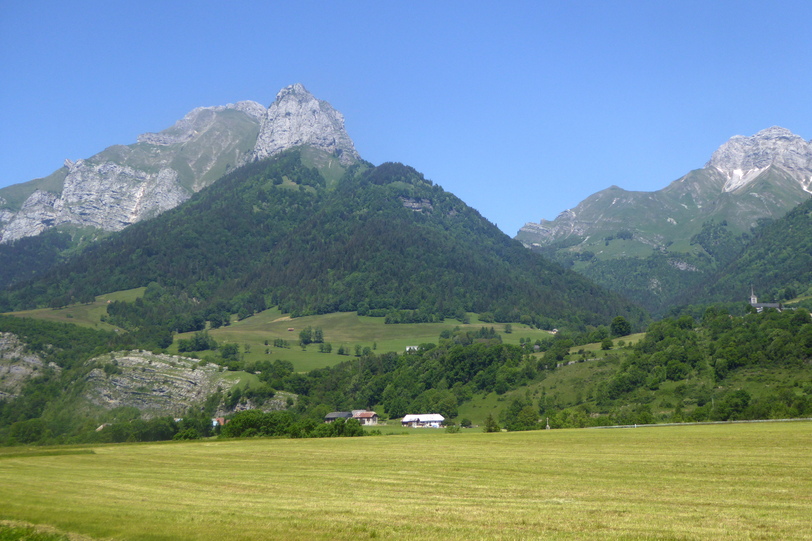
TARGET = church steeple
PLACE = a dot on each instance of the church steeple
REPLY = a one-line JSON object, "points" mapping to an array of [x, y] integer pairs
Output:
{"points": [[753, 298]]}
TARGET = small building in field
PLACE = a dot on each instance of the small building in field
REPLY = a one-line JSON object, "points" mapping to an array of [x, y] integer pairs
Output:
{"points": [[412, 349], [365, 417], [332, 416], [423, 420]]}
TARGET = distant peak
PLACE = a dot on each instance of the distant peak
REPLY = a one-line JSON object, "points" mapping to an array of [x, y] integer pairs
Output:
{"points": [[743, 158]]}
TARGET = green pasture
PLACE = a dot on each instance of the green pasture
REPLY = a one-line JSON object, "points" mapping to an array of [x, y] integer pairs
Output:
{"points": [[84, 315], [741, 481], [346, 329]]}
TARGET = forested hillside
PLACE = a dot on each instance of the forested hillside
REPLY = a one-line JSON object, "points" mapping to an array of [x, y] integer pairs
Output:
{"points": [[777, 262], [385, 241], [28, 257], [720, 367]]}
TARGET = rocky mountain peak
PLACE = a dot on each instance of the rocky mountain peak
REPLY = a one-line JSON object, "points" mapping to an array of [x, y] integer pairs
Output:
{"points": [[298, 118], [742, 159], [125, 184]]}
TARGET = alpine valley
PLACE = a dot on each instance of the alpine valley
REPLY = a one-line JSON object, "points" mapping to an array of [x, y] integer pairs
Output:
{"points": [[248, 263]]}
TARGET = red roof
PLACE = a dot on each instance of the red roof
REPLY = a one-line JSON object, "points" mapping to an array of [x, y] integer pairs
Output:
{"points": [[366, 415]]}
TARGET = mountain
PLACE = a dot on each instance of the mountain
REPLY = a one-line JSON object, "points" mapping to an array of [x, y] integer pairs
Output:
{"points": [[383, 241], [653, 246], [123, 185]]}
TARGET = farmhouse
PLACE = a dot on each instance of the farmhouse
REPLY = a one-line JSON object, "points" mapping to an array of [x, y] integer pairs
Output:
{"points": [[332, 416], [424, 420], [365, 417]]}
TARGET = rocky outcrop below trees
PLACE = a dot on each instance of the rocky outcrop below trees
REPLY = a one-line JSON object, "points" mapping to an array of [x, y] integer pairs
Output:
{"points": [[17, 366], [161, 384]]}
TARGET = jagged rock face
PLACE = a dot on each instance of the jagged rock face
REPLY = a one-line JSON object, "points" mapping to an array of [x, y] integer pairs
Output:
{"points": [[297, 118], [5, 214], [743, 159], [125, 184], [17, 366], [104, 195], [39, 212]]}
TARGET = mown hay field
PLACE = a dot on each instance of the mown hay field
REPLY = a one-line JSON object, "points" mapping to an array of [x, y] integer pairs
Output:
{"points": [[739, 481]]}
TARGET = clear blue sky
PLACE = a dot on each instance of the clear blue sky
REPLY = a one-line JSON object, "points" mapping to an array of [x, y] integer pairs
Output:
{"points": [[522, 109]]}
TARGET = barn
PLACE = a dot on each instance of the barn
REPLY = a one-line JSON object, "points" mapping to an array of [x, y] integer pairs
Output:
{"points": [[423, 420]]}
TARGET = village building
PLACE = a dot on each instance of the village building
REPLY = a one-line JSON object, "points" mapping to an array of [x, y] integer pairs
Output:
{"points": [[423, 420], [332, 416], [365, 417], [760, 306]]}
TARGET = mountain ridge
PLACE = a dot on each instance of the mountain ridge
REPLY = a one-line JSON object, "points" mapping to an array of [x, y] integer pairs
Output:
{"points": [[125, 184], [652, 246]]}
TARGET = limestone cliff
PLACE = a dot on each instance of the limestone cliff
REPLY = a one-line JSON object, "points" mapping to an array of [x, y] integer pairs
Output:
{"points": [[159, 384]]}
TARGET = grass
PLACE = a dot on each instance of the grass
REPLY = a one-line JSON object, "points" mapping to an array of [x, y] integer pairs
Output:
{"points": [[84, 315], [744, 481], [346, 329]]}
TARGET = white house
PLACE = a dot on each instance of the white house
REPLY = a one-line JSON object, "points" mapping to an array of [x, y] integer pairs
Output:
{"points": [[423, 420]]}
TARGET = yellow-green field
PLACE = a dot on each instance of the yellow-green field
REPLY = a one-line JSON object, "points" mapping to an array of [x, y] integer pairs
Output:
{"points": [[744, 481]]}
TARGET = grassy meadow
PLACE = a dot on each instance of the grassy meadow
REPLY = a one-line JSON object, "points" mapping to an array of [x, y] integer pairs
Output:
{"points": [[346, 329], [84, 315], [738, 481]]}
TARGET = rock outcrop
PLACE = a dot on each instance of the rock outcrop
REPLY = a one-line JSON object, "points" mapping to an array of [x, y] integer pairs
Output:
{"points": [[297, 118], [17, 366], [125, 184], [154, 384], [159, 384]]}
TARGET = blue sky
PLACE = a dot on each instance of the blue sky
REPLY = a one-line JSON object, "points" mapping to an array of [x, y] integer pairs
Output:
{"points": [[522, 109]]}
